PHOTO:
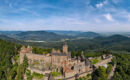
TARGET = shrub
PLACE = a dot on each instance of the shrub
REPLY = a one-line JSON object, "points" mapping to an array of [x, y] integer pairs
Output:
{"points": [[37, 75]]}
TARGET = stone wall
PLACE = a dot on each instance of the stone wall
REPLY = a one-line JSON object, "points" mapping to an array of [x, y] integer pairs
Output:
{"points": [[103, 62]]}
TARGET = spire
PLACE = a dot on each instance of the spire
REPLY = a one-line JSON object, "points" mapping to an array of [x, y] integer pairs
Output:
{"points": [[82, 56]]}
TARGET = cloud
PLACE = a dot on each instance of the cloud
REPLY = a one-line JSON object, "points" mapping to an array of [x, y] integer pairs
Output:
{"points": [[59, 23], [99, 5], [63, 15], [129, 17], [116, 1], [109, 17]]}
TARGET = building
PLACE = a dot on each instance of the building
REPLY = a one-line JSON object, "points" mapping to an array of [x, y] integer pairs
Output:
{"points": [[56, 61]]}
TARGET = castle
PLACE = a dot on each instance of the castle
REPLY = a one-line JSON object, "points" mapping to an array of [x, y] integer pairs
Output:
{"points": [[56, 61]]}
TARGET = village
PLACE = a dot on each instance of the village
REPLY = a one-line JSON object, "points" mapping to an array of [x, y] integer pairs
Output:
{"points": [[59, 65]]}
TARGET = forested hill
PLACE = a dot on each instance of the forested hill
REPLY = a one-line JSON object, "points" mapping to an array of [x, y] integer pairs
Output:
{"points": [[7, 38], [76, 33], [88, 34], [40, 36], [10, 32], [48, 35], [62, 32], [115, 42], [112, 38], [7, 51]]}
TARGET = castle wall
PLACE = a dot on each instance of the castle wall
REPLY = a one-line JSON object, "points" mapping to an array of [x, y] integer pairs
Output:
{"points": [[39, 57], [103, 62], [58, 60]]}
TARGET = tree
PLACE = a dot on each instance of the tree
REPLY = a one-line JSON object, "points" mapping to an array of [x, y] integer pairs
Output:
{"points": [[109, 69], [100, 74], [25, 63]]}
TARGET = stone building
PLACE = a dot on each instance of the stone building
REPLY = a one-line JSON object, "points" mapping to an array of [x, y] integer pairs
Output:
{"points": [[24, 51], [59, 59]]}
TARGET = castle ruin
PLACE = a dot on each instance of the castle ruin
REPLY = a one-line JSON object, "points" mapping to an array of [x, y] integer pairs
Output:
{"points": [[56, 61]]}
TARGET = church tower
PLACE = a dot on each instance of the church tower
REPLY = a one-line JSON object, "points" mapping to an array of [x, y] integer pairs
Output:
{"points": [[65, 48]]}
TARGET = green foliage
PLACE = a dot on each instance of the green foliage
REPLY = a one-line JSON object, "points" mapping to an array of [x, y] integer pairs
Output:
{"points": [[88, 77], [20, 73], [7, 51], [100, 74], [109, 68], [41, 50], [37, 75], [22, 69], [122, 71], [55, 74], [25, 63], [82, 78], [94, 61], [87, 53], [28, 74], [16, 58]]}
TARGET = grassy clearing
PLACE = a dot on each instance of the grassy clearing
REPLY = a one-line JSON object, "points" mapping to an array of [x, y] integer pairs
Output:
{"points": [[37, 75], [55, 74], [94, 61], [88, 77]]}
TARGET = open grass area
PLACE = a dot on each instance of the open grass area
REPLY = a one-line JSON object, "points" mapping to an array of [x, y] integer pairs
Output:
{"points": [[55, 74], [88, 77], [37, 75], [94, 61]]}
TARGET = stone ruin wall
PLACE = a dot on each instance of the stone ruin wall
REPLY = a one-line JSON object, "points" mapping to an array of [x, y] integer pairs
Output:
{"points": [[32, 56], [57, 60], [103, 62]]}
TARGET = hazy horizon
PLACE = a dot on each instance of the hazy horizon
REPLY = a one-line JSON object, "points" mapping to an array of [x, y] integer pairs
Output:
{"points": [[70, 15], [75, 31]]}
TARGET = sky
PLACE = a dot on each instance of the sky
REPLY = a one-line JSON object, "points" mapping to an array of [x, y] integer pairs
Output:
{"points": [[77, 15]]}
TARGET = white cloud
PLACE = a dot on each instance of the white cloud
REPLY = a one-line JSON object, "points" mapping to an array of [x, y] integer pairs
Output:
{"points": [[129, 17], [62, 23], [99, 5], [109, 17]]}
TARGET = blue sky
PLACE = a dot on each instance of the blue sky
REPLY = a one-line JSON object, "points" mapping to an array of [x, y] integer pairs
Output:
{"points": [[83, 15]]}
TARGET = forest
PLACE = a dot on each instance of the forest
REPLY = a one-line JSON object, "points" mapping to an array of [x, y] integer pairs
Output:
{"points": [[11, 70]]}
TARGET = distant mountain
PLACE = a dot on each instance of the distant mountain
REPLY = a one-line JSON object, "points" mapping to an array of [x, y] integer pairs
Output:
{"points": [[115, 42], [48, 35], [88, 34], [10, 32], [40, 36], [113, 38], [7, 38], [62, 32], [4, 37], [75, 34]]}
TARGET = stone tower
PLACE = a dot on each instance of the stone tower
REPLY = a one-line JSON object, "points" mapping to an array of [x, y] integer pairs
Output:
{"points": [[24, 51], [65, 48]]}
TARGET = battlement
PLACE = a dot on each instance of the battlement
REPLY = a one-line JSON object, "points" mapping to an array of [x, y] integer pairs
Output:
{"points": [[26, 50]]}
